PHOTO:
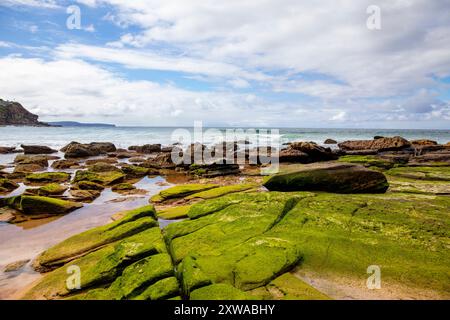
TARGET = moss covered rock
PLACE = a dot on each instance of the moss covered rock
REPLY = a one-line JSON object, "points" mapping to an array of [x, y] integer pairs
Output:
{"points": [[133, 222], [103, 178], [368, 161], [181, 191], [48, 177], [174, 213], [162, 289], [52, 189], [221, 191], [123, 187], [422, 173], [332, 177], [88, 185], [100, 267], [37, 205], [136, 278]]}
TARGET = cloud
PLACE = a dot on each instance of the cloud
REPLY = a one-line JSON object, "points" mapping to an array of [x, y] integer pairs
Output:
{"points": [[31, 3], [316, 61], [59, 88]]}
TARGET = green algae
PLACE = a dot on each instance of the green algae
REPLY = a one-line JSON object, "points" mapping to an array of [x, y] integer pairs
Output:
{"points": [[100, 267], [221, 191], [174, 213], [191, 275], [422, 173], [368, 161], [46, 177], [163, 289], [103, 178], [37, 205], [51, 189], [140, 275], [181, 191], [134, 221]]}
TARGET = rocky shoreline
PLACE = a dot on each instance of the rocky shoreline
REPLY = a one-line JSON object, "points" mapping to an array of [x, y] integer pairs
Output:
{"points": [[236, 234]]}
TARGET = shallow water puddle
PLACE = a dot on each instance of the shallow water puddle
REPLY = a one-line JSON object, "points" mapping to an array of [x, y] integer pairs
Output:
{"points": [[18, 243]]}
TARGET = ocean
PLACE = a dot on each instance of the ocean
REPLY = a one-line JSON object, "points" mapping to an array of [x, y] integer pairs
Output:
{"points": [[123, 137]]}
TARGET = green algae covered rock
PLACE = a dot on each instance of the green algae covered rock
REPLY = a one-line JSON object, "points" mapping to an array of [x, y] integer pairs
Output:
{"points": [[191, 276], [181, 191], [140, 275], [123, 187], [51, 189], [48, 177], [163, 289], [99, 267], [368, 161], [88, 185], [331, 177], [174, 213], [132, 222], [230, 246], [220, 291], [422, 173], [37, 205], [102, 178], [221, 191]]}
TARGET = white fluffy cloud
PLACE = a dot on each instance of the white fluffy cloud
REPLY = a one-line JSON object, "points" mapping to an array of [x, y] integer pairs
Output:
{"points": [[321, 51]]}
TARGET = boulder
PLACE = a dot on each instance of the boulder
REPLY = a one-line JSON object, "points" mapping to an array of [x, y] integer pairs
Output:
{"points": [[103, 167], [65, 164], [37, 149], [213, 170], [42, 161], [147, 148], [51, 189], [31, 205], [103, 178], [161, 161], [314, 151], [381, 144], [46, 177], [330, 177], [28, 168], [136, 171], [330, 141], [84, 195], [293, 155], [79, 150]]}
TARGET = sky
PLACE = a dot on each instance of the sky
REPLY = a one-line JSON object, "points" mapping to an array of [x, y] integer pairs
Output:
{"points": [[250, 63]]}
